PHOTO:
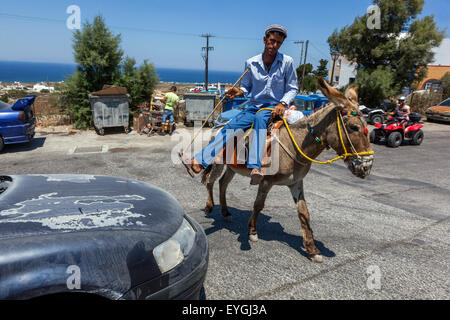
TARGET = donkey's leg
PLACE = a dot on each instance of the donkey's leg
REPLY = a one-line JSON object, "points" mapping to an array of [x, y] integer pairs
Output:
{"points": [[263, 191], [209, 179], [303, 215], [223, 185]]}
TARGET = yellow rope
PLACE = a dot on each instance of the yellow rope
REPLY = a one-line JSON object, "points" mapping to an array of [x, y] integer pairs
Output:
{"points": [[344, 156]]}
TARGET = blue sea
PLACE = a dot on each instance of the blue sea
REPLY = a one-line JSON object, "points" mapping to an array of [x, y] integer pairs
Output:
{"points": [[11, 71]]}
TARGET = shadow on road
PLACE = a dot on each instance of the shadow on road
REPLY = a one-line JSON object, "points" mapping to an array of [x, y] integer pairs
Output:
{"points": [[267, 230], [35, 143]]}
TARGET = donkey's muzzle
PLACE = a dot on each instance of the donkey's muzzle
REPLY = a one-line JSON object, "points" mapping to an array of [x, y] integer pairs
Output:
{"points": [[361, 166]]}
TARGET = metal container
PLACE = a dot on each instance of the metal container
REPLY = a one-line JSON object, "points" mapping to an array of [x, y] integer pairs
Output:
{"points": [[199, 106], [110, 111]]}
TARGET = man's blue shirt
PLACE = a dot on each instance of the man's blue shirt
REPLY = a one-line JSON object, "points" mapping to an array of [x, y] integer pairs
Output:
{"points": [[279, 84]]}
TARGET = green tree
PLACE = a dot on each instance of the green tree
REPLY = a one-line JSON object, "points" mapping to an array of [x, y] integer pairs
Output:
{"points": [[310, 81], [402, 44], [98, 55], [445, 85], [140, 82], [321, 70]]}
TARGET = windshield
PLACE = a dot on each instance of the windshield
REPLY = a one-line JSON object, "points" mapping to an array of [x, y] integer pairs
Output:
{"points": [[445, 103], [303, 105]]}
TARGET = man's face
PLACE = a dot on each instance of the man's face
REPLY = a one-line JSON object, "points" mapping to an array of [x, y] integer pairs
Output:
{"points": [[272, 43]]}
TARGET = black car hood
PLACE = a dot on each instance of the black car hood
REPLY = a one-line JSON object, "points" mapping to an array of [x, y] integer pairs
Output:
{"points": [[105, 226], [43, 204]]}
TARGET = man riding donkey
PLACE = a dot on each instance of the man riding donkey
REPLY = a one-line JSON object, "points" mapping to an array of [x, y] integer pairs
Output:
{"points": [[271, 83]]}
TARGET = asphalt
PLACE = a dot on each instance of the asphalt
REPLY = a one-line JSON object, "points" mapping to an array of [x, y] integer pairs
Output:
{"points": [[384, 237]]}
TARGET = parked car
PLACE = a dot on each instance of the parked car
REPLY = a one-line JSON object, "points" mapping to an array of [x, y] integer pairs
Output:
{"points": [[196, 89], [440, 112], [88, 236], [318, 100], [17, 122], [226, 116], [304, 104]]}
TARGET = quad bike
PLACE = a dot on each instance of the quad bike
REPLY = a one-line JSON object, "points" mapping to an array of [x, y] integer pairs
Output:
{"points": [[372, 115], [394, 134]]}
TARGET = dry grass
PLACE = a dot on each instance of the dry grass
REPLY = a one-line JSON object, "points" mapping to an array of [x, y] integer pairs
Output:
{"points": [[420, 102]]}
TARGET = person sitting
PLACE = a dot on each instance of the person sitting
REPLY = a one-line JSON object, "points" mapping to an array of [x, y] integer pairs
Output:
{"points": [[401, 112], [271, 83]]}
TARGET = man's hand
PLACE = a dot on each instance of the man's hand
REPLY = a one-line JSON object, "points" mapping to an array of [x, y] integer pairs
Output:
{"points": [[278, 110], [233, 93]]}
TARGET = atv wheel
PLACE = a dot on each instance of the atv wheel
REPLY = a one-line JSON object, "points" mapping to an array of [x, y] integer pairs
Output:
{"points": [[417, 138], [377, 119], [373, 137], [395, 139]]}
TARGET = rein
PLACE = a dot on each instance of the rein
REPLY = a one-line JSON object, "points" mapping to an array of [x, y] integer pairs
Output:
{"points": [[343, 156]]}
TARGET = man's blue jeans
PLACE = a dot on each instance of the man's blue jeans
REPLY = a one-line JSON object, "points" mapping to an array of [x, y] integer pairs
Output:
{"points": [[242, 121], [167, 114]]}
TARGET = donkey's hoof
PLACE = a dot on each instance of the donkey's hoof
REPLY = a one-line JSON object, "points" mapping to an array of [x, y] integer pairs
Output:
{"points": [[253, 237], [208, 209], [228, 218], [317, 258]]}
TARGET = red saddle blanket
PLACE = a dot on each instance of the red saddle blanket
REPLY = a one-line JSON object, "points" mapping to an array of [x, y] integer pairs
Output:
{"points": [[239, 162]]}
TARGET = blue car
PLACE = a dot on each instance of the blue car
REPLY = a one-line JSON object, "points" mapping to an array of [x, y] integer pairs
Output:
{"points": [[319, 100], [226, 116], [17, 122], [304, 104]]}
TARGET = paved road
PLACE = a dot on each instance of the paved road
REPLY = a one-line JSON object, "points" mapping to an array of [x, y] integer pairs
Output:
{"points": [[385, 237]]}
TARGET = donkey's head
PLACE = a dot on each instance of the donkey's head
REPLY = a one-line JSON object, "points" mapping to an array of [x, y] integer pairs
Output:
{"points": [[351, 136]]}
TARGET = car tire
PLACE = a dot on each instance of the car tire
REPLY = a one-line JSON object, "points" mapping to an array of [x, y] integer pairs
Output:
{"points": [[395, 139], [99, 131], [417, 138], [373, 137], [2, 143], [377, 119]]}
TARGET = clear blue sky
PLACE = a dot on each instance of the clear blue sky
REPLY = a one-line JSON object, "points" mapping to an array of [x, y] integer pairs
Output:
{"points": [[167, 32]]}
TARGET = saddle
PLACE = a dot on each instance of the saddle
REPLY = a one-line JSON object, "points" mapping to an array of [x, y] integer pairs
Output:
{"points": [[238, 159]]}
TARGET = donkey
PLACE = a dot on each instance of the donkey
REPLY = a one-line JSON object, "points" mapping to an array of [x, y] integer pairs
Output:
{"points": [[293, 166]]}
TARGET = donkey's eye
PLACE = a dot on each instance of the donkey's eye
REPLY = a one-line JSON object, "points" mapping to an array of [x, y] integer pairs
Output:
{"points": [[354, 128]]}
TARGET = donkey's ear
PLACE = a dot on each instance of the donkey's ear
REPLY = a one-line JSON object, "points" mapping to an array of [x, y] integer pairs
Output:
{"points": [[352, 93], [332, 94]]}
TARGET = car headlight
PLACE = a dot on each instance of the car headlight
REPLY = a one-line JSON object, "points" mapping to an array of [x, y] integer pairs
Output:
{"points": [[172, 252]]}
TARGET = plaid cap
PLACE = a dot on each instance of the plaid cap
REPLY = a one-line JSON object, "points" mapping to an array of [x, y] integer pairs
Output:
{"points": [[276, 27]]}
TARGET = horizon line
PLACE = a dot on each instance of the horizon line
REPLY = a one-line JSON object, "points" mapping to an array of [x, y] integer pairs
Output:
{"points": [[156, 67]]}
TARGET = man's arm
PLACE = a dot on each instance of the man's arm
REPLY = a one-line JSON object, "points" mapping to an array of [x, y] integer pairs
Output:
{"points": [[291, 83], [246, 81]]}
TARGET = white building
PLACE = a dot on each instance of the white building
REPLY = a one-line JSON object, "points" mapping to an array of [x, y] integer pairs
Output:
{"points": [[39, 87], [344, 72]]}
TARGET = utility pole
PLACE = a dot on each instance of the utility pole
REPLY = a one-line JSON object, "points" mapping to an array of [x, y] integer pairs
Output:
{"points": [[205, 56], [301, 55], [304, 66]]}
